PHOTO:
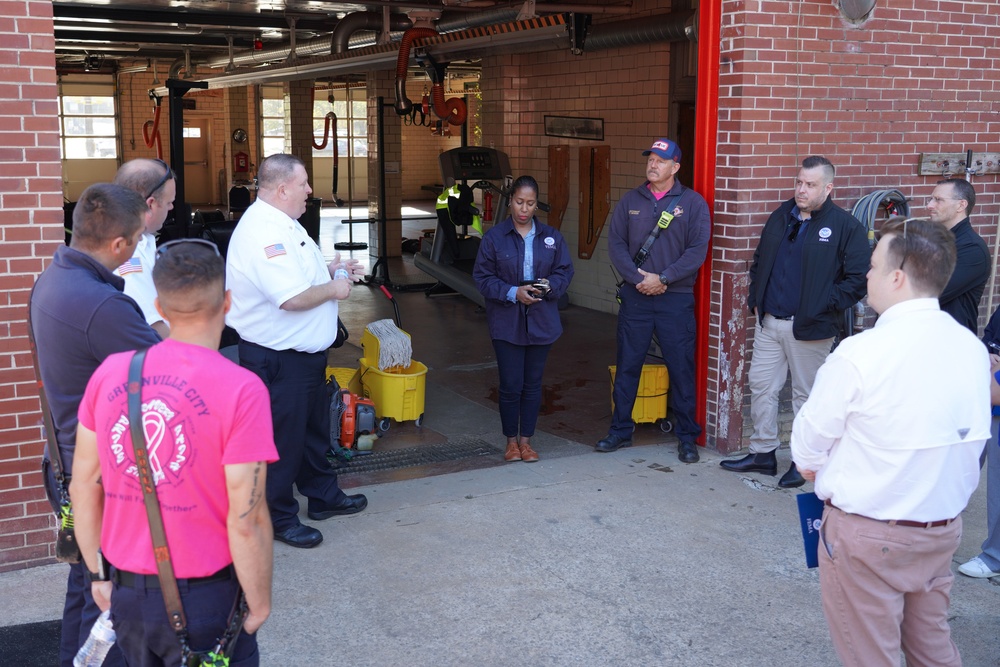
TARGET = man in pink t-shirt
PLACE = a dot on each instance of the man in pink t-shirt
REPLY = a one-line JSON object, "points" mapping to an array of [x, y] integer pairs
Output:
{"points": [[207, 424]]}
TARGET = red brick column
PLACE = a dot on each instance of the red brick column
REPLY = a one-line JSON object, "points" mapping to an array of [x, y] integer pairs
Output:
{"points": [[798, 80], [30, 230]]}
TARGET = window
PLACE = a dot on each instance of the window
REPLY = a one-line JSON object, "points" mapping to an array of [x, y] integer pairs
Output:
{"points": [[352, 122], [87, 121], [272, 113]]}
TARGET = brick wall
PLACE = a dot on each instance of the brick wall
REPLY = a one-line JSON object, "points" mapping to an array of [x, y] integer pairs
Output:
{"points": [[30, 230], [627, 87], [797, 80]]}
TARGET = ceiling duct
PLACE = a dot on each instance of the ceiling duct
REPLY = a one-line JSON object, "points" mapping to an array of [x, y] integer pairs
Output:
{"points": [[673, 27], [352, 23], [676, 26]]}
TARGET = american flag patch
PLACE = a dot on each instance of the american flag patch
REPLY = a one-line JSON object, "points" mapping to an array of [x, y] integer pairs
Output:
{"points": [[134, 265], [276, 250]]}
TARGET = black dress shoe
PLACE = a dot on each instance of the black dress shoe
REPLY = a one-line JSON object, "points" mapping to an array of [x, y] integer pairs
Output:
{"points": [[612, 443], [687, 452], [299, 536], [350, 505], [766, 463], [791, 479]]}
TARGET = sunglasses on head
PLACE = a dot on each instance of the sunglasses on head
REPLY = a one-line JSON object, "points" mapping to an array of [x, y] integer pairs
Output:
{"points": [[163, 249], [162, 181]]}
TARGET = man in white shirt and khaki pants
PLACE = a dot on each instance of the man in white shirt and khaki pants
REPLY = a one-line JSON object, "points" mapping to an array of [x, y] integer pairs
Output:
{"points": [[891, 434]]}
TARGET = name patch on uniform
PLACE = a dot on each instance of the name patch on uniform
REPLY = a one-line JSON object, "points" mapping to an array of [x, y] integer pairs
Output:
{"points": [[631, 212], [134, 265], [824, 234], [276, 250]]}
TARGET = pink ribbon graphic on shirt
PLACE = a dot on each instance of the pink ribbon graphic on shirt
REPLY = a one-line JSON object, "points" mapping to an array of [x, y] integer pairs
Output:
{"points": [[155, 427]]}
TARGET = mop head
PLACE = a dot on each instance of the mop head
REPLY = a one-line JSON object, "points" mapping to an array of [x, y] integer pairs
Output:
{"points": [[394, 348]]}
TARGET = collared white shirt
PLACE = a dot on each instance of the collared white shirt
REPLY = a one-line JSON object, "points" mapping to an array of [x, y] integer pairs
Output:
{"points": [[898, 416], [270, 260], [138, 275]]}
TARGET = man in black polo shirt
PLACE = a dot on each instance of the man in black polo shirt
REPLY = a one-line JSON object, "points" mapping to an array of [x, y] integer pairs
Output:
{"points": [[809, 266], [951, 204], [80, 315]]}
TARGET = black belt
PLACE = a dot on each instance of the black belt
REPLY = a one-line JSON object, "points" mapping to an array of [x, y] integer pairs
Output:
{"points": [[898, 522], [779, 317], [269, 349], [133, 580]]}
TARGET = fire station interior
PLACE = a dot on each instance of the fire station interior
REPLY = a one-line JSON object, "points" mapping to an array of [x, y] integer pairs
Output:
{"points": [[388, 102]]}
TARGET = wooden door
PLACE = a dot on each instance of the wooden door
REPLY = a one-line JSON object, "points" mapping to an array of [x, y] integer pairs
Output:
{"points": [[198, 179]]}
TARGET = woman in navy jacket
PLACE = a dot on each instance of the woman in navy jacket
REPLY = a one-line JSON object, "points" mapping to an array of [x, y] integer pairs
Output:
{"points": [[522, 269]]}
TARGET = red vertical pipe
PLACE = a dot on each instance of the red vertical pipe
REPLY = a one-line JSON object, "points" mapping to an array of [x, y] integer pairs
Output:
{"points": [[703, 180]]}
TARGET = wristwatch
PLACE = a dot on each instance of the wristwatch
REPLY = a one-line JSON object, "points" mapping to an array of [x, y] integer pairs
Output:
{"points": [[103, 569], [664, 281]]}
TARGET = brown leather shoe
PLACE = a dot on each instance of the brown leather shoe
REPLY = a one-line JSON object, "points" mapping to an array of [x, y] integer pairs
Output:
{"points": [[528, 455], [513, 453]]}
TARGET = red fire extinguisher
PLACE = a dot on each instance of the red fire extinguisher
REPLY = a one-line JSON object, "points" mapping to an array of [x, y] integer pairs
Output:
{"points": [[488, 206], [241, 162]]}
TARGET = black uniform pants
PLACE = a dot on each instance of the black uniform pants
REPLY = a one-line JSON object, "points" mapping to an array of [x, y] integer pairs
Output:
{"points": [[300, 410], [671, 317]]}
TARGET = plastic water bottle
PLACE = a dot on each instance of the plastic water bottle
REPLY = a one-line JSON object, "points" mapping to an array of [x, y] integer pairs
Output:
{"points": [[100, 641], [341, 273]]}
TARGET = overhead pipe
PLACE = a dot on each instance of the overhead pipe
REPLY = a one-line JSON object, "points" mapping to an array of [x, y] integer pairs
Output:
{"points": [[352, 23], [677, 26], [322, 45], [672, 27], [403, 104]]}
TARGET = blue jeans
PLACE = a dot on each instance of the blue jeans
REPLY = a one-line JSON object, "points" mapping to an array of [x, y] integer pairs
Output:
{"points": [[521, 368]]}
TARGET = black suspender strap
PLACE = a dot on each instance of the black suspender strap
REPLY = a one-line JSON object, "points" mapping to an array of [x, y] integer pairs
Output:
{"points": [[67, 549], [662, 223]]}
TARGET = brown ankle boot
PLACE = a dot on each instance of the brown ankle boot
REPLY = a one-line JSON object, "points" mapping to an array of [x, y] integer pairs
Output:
{"points": [[528, 455], [513, 452]]}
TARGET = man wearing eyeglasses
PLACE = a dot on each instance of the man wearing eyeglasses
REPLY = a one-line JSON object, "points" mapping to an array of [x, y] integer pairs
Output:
{"points": [[951, 204], [285, 305], [891, 435], [156, 183], [80, 316], [809, 267]]}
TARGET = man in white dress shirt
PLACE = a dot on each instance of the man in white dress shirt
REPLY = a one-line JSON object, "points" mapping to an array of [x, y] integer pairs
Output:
{"points": [[891, 434], [154, 181], [285, 302]]}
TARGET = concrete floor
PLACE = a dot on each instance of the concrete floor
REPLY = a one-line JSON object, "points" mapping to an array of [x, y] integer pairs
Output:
{"points": [[587, 559]]}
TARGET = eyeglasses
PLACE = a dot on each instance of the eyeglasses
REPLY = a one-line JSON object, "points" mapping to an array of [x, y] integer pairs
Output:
{"points": [[906, 241], [941, 200], [162, 250], [162, 182]]}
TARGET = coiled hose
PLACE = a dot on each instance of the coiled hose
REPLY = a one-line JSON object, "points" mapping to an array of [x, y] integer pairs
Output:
{"points": [[866, 210]]}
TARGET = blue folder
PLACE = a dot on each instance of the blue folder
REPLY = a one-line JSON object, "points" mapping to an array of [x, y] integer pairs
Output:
{"points": [[810, 518]]}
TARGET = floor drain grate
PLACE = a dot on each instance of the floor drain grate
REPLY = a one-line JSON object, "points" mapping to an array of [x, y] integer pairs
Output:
{"points": [[453, 450]]}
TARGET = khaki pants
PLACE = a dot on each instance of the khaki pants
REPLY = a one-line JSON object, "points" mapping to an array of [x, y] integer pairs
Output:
{"points": [[775, 353], [887, 588]]}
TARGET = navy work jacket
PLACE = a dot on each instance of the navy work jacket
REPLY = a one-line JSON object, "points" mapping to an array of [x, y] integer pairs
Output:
{"points": [[500, 264]]}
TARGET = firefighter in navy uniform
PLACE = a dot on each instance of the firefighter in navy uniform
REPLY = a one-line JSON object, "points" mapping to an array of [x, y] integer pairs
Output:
{"points": [[658, 296]]}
